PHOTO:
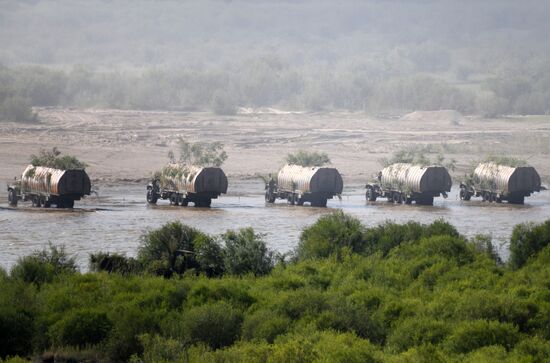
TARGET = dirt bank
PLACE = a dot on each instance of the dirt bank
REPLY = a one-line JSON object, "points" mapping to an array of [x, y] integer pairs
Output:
{"points": [[129, 145]]}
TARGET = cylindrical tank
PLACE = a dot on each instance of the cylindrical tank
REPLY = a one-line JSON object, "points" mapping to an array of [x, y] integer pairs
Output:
{"points": [[310, 179], [506, 179], [193, 179], [43, 180], [416, 178]]}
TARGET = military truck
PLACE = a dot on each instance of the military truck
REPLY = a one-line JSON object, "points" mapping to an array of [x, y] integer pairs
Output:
{"points": [[182, 184], [497, 183], [300, 184], [407, 183], [45, 187]]}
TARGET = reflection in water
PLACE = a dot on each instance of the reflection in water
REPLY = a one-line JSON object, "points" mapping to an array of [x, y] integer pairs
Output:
{"points": [[115, 220]]}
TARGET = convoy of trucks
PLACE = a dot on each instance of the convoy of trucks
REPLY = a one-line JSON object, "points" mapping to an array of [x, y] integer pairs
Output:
{"points": [[182, 184]]}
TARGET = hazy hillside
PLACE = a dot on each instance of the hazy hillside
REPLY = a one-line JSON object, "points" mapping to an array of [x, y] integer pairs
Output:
{"points": [[478, 57]]}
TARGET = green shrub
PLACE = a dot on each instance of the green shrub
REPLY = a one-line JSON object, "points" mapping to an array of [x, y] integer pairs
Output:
{"points": [[43, 266], [306, 302], [129, 322], [527, 240], [449, 248], [80, 328], [170, 249], [422, 353], [216, 325], [210, 256], [471, 335], [246, 252], [344, 347], [334, 233], [294, 348], [158, 349], [265, 325], [440, 227], [231, 291], [417, 331], [535, 349], [389, 235], [16, 331], [114, 263]]}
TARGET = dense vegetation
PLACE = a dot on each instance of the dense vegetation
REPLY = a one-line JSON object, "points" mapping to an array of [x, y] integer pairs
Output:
{"points": [[489, 57], [53, 159], [391, 293]]}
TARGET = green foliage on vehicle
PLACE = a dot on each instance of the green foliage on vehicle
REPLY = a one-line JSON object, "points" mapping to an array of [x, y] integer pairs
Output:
{"points": [[308, 158], [53, 159]]}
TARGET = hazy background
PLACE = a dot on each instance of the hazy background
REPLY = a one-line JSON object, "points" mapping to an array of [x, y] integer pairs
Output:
{"points": [[478, 57]]}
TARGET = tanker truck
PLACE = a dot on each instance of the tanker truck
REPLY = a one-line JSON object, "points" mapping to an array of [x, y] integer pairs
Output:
{"points": [[496, 183], [299, 184], [45, 187], [407, 183], [181, 184]]}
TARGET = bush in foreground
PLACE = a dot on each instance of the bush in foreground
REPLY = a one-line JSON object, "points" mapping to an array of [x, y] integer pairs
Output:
{"points": [[427, 294]]}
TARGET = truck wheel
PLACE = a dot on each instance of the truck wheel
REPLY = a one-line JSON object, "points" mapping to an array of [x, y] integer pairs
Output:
{"points": [[322, 202], [180, 200], [517, 200], [12, 198], [47, 204], [291, 199], [371, 195], [300, 201], [203, 203], [269, 197], [425, 201], [464, 194], [396, 197], [173, 199], [151, 196], [36, 202], [408, 200], [184, 202]]}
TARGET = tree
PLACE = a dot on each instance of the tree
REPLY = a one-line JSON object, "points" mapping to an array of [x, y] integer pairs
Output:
{"points": [[17, 109], [175, 248], [246, 252]]}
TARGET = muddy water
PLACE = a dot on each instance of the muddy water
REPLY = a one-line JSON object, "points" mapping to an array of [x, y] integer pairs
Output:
{"points": [[115, 220]]}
